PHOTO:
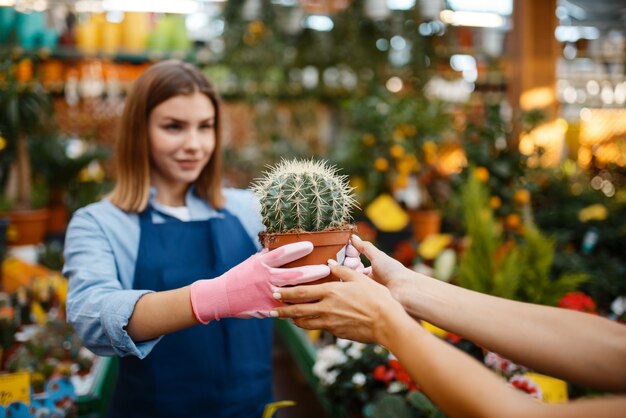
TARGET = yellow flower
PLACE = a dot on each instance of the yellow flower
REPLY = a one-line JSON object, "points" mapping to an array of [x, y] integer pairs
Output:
{"points": [[482, 174], [3, 143], [597, 212], [400, 182], [430, 152], [513, 221], [12, 233], [256, 27], [495, 202], [409, 130], [396, 151], [369, 139], [408, 164], [398, 134], [93, 172], [433, 245], [357, 183], [381, 164], [521, 196], [24, 70]]}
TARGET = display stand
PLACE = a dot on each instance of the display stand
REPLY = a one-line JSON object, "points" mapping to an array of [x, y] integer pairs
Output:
{"points": [[304, 352], [94, 390]]}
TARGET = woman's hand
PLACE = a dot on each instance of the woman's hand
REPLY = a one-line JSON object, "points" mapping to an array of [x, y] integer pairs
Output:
{"points": [[353, 260], [356, 308], [247, 290]]}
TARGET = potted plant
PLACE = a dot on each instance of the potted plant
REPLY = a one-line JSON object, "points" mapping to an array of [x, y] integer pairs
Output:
{"points": [[59, 160], [305, 200], [24, 107]]}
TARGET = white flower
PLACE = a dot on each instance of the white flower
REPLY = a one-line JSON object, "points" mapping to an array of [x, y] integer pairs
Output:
{"points": [[356, 350], [379, 350], [328, 357], [329, 378], [343, 343], [359, 379], [396, 387]]}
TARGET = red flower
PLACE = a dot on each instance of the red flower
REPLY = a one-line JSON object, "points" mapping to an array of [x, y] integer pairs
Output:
{"points": [[578, 301], [382, 374], [524, 384], [404, 252], [401, 375], [395, 364]]}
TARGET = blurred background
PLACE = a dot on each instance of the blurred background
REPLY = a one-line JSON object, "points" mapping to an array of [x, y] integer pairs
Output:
{"points": [[485, 141]]}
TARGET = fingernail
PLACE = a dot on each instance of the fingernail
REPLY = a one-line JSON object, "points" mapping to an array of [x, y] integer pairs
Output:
{"points": [[332, 262], [276, 295], [274, 314], [356, 238]]}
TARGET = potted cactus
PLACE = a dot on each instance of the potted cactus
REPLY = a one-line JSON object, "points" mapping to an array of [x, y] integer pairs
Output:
{"points": [[306, 200]]}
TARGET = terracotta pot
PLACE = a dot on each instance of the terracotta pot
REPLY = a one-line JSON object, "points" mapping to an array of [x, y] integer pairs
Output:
{"points": [[327, 244], [425, 223], [57, 222], [29, 226]]}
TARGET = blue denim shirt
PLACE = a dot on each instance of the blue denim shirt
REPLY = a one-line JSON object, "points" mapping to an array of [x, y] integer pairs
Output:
{"points": [[101, 247]]}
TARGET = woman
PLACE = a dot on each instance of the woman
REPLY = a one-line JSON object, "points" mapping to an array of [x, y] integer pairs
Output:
{"points": [[168, 250], [571, 345]]}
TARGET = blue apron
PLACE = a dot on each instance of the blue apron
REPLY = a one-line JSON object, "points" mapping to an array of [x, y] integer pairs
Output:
{"points": [[219, 370]]}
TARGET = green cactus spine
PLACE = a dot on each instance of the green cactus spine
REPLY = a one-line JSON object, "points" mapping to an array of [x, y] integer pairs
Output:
{"points": [[304, 195]]}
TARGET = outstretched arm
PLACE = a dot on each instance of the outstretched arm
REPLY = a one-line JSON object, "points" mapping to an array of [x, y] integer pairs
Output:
{"points": [[363, 310], [571, 345], [244, 291]]}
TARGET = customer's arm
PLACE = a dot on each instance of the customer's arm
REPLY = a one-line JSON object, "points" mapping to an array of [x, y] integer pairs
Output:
{"points": [[363, 310], [570, 345]]}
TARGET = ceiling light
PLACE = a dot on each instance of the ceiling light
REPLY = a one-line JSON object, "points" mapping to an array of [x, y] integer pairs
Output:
{"points": [[483, 20]]}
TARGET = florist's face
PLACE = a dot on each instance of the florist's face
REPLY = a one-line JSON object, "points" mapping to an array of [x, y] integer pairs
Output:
{"points": [[182, 139]]}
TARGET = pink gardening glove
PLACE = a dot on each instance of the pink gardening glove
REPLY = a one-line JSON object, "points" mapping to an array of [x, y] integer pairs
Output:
{"points": [[353, 260], [246, 290]]}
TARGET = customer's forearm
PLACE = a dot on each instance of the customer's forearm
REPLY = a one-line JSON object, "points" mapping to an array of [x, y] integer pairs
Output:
{"points": [[457, 383], [546, 339]]}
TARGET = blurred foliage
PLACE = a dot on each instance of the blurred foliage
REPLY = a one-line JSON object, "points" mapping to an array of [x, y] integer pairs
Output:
{"points": [[490, 264], [564, 207], [389, 137], [519, 267], [25, 108], [57, 164]]}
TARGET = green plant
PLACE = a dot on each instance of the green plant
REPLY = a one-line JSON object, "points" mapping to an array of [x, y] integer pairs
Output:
{"points": [[536, 264], [59, 159], [498, 266], [488, 265], [304, 195], [391, 137], [24, 106]]}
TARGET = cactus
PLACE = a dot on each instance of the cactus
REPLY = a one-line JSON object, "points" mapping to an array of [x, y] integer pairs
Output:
{"points": [[304, 195]]}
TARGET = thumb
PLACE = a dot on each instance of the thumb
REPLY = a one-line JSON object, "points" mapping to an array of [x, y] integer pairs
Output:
{"points": [[345, 274]]}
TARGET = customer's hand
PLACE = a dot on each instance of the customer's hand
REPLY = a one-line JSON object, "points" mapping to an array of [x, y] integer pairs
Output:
{"points": [[356, 308], [246, 290], [384, 269]]}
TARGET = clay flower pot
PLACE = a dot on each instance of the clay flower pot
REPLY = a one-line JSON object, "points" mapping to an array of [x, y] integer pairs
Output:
{"points": [[327, 245]]}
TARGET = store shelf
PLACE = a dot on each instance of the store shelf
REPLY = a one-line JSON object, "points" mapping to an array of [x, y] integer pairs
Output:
{"points": [[132, 57]]}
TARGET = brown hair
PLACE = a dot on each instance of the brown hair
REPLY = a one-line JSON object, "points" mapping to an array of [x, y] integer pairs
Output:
{"points": [[155, 85]]}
